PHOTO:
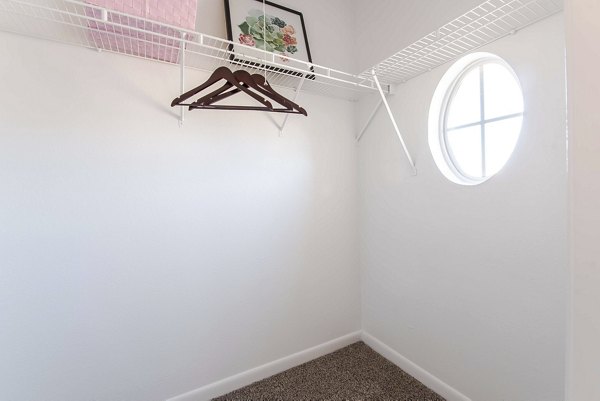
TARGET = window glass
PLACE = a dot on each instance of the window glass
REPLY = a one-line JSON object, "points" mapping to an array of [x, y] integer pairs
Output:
{"points": [[502, 92], [465, 107], [464, 145], [500, 140]]}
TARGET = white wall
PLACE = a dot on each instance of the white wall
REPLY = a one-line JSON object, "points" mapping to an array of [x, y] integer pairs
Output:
{"points": [[470, 282], [139, 260], [583, 64]]}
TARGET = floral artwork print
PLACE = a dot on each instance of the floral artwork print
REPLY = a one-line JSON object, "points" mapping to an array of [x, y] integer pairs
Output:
{"points": [[269, 33]]}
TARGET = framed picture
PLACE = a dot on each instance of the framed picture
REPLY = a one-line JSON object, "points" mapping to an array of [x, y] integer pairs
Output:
{"points": [[279, 30]]}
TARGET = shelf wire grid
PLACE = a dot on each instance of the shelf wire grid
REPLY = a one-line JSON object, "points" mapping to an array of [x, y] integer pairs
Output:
{"points": [[482, 25], [78, 23]]}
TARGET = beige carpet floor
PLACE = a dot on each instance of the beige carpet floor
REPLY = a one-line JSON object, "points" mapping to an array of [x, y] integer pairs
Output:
{"points": [[354, 373]]}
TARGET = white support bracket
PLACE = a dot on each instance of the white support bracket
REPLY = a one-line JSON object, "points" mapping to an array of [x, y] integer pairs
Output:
{"points": [[285, 120], [364, 128], [182, 75], [104, 18], [391, 115]]}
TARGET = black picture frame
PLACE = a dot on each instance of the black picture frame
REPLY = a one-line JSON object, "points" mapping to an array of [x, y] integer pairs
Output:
{"points": [[306, 55]]}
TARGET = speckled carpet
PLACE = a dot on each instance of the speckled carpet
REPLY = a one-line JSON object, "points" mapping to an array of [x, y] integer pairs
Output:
{"points": [[354, 373]]}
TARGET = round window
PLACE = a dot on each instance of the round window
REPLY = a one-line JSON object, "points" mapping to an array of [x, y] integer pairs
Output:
{"points": [[475, 118]]}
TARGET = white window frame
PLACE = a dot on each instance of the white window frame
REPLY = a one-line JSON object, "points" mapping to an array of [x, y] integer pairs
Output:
{"points": [[439, 115]]}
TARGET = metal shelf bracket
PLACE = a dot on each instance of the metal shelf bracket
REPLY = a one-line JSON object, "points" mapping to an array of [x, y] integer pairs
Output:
{"points": [[285, 120], [182, 75], [393, 120], [373, 113]]}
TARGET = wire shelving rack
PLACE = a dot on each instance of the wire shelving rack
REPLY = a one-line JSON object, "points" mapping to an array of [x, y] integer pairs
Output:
{"points": [[486, 23], [78, 23]]}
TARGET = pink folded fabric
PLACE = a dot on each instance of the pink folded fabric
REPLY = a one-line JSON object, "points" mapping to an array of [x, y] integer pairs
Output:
{"points": [[143, 34]]}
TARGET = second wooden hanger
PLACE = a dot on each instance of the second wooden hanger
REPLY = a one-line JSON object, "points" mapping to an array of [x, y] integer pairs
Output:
{"points": [[240, 81]]}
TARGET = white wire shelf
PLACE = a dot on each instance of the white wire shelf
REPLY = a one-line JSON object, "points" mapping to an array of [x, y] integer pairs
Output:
{"points": [[483, 24], [77, 23]]}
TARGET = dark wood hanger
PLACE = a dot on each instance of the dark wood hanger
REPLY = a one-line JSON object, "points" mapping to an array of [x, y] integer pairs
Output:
{"points": [[236, 82], [256, 82], [221, 73], [264, 84]]}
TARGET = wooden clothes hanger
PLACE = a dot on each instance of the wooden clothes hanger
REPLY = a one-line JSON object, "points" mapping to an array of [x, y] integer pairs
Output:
{"points": [[220, 74], [235, 82], [256, 82]]}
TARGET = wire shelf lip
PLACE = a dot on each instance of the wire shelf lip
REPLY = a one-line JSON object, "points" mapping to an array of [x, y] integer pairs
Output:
{"points": [[79, 23], [490, 21]]}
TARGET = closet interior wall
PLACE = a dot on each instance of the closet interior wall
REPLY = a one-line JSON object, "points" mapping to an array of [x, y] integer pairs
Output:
{"points": [[141, 260], [470, 283]]}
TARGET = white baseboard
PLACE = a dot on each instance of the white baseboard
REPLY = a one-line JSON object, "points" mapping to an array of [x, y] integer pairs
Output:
{"points": [[231, 383], [435, 384]]}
